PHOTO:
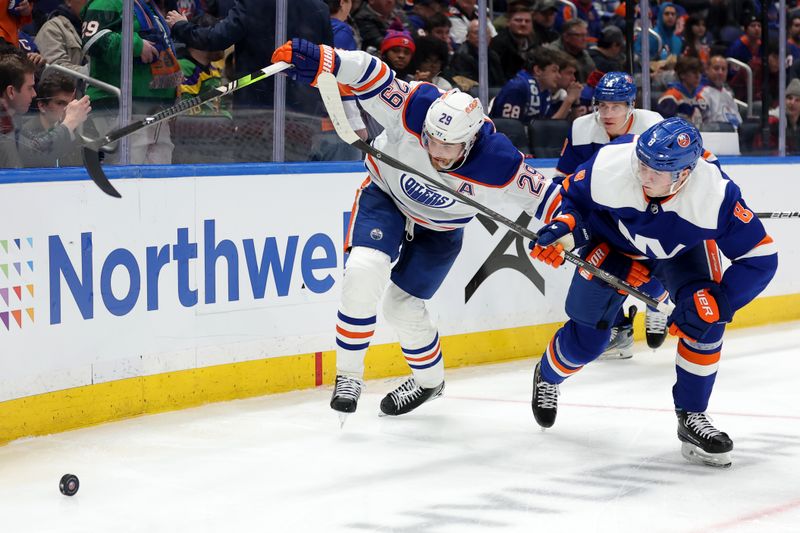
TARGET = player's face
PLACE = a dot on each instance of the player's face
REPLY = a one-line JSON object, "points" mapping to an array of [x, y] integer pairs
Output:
{"points": [[442, 154], [613, 116], [658, 183]]}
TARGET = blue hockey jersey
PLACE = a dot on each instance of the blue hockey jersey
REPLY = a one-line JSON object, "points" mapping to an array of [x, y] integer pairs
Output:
{"points": [[709, 207], [522, 99]]}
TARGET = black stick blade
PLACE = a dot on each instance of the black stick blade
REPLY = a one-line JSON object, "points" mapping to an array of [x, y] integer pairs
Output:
{"points": [[91, 160]]}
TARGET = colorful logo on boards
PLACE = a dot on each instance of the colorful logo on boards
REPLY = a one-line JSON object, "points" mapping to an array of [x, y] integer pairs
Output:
{"points": [[16, 283]]}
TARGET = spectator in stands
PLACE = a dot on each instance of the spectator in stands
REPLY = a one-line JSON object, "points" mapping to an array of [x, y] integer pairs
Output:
{"points": [[573, 41], [724, 18], [422, 11], [527, 96], [11, 20], [461, 13], [609, 54], [431, 59], [684, 98], [793, 36], [501, 21], [249, 26], [671, 42], [201, 73], [345, 36], [697, 40], [747, 47], [50, 139], [565, 102], [792, 117], [464, 65], [585, 12], [156, 73], [17, 89], [513, 42], [721, 105], [59, 39], [397, 50], [739, 80], [438, 26], [374, 19], [544, 20], [792, 124]]}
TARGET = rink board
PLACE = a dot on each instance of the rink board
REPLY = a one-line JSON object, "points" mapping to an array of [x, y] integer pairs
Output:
{"points": [[213, 283]]}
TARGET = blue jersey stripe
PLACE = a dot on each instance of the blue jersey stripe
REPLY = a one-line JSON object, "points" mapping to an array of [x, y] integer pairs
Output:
{"points": [[356, 321], [427, 348]]}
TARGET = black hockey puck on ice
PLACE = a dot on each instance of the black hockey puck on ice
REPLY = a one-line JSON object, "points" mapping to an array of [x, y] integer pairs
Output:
{"points": [[69, 484]]}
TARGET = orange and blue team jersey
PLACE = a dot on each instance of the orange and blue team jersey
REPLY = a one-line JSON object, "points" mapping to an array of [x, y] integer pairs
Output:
{"points": [[494, 168], [521, 98], [677, 100], [609, 197]]}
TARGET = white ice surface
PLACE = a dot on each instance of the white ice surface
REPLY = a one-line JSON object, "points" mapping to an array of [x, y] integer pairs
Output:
{"points": [[472, 461]]}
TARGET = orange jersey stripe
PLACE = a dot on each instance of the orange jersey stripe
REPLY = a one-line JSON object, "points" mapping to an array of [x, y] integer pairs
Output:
{"points": [[697, 358], [353, 334], [425, 358], [374, 80]]}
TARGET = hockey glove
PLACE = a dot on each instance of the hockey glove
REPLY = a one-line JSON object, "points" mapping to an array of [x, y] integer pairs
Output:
{"points": [[616, 264], [565, 232], [309, 60], [697, 311]]}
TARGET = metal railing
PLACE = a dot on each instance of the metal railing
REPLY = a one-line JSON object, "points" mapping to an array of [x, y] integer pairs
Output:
{"points": [[749, 72]]}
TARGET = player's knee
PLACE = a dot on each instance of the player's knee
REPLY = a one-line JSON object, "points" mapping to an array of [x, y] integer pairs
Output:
{"points": [[403, 311], [365, 276], [583, 343]]}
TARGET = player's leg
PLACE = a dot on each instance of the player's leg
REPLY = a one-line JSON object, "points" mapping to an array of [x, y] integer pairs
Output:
{"points": [[697, 361], [592, 307], [418, 274], [374, 237], [655, 322]]}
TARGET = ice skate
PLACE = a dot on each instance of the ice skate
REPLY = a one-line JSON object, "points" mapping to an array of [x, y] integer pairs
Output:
{"points": [[655, 327], [702, 443], [545, 399], [345, 396], [408, 397], [620, 346]]}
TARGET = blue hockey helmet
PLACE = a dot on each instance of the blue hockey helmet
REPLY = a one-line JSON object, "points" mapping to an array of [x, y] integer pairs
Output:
{"points": [[670, 146], [616, 87]]}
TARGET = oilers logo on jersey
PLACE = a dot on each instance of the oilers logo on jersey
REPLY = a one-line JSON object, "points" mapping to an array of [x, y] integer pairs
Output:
{"points": [[424, 194]]}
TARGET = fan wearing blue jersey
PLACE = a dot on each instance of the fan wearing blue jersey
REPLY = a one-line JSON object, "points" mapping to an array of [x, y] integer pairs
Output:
{"points": [[614, 115], [656, 206], [527, 95], [405, 232]]}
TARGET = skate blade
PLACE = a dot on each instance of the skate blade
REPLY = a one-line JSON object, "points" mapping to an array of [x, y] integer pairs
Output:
{"points": [[615, 355], [342, 419], [696, 455]]}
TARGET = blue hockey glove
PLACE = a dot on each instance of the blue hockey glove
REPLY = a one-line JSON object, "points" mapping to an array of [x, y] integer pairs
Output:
{"points": [[695, 312], [309, 60], [565, 232], [616, 264]]}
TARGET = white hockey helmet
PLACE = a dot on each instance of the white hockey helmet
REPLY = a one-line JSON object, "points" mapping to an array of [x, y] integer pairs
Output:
{"points": [[455, 118]]}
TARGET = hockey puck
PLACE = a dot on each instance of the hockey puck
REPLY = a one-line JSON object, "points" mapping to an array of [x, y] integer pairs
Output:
{"points": [[69, 484]]}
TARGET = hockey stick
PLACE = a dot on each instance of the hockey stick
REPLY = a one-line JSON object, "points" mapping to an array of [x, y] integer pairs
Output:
{"points": [[91, 155], [779, 214], [329, 90]]}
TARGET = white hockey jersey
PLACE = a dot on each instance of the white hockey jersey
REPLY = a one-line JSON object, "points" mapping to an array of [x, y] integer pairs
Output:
{"points": [[493, 167], [587, 136]]}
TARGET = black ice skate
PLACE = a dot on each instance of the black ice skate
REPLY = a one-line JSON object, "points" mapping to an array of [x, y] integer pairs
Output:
{"points": [[408, 397], [545, 399], [345, 396], [620, 346], [703, 443], [655, 328]]}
